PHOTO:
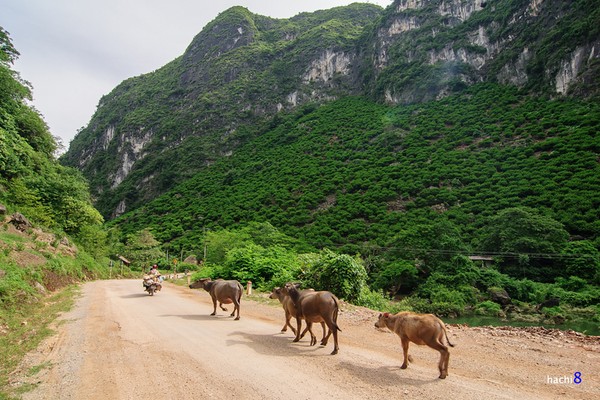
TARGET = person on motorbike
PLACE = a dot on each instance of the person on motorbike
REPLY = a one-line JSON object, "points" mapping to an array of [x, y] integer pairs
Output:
{"points": [[152, 280], [156, 273]]}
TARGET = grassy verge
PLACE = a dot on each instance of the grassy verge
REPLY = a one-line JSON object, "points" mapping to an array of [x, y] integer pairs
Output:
{"points": [[22, 329]]}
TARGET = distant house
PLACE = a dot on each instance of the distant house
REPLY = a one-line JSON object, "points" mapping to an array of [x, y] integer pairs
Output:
{"points": [[486, 261], [124, 260]]}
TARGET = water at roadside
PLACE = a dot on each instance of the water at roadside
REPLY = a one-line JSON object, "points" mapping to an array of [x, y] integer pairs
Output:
{"points": [[586, 327]]}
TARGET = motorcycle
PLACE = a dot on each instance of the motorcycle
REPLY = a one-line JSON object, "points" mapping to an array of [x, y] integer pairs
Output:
{"points": [[151, 284]]}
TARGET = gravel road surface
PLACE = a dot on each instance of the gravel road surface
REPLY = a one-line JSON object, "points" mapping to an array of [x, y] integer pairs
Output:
{"points": [[120, 343]]}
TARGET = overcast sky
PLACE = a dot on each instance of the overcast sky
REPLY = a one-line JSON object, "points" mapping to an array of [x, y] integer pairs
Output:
{"points": [[75, 51]]}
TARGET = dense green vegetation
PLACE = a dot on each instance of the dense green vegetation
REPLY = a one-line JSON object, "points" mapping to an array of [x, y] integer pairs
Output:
{"points": [[414, 190]]}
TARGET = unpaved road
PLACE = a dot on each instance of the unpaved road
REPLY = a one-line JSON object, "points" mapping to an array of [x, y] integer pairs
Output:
{"points": [[120, 343]]}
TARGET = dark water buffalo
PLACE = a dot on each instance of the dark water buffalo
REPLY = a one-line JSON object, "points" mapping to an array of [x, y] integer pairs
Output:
{"points": [[421, 329], [290, 310], [319, 306], [225, 292]]}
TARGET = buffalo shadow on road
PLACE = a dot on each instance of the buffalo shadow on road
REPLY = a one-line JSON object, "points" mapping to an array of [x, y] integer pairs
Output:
{"points": [[387, 374], [202, 317], [276, 344], [135, 295], [279, 345]]}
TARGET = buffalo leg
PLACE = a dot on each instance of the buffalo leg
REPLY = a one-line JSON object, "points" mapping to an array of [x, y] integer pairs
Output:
{"points": [[335, 339], [287, 323], [446, 364], [405, 343], [222, 308], [214, 307], [444, 358], [288, 317], [236, 307], [298, 329], [325, 336], [313, 338], [304, 332]]}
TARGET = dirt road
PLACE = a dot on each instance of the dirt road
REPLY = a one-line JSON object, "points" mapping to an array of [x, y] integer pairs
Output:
{"points": [[120, 343]]}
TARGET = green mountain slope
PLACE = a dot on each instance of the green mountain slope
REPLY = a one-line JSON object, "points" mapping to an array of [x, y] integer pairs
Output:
{"points": [[353, 174], [157, 130]]}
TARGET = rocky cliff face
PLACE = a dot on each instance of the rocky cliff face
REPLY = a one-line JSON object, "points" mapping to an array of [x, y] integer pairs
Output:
{"points": [[425, 49], [157, 130]]}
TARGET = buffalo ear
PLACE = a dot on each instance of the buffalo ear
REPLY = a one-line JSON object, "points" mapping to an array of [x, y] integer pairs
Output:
{"points": [[386, 315]]}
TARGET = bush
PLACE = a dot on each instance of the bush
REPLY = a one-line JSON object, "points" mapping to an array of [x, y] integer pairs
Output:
{"points": [[526, 290], [579, 299], [265, 267], [572, 283], [375, 300], [488, 308], [341, 274], [397, 276], [443, 309], [553, 311], [208, 271], [448, 289]]}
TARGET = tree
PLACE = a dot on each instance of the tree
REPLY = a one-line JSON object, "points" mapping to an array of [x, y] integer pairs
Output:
{"points": [[341, 274], [265, 267], [396, 277], [583, 260], [527, 241], [428, 246], [142, 249]]}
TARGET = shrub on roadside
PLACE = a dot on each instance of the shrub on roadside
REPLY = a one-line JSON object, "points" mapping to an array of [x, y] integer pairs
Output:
{"points": [[488, 308]]}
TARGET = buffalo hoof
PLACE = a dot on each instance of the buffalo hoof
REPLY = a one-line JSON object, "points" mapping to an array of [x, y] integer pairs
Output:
{"points": [[213, 314], [334, 352], [442, 376], [236, 318], [403, 366], [295, 340]]}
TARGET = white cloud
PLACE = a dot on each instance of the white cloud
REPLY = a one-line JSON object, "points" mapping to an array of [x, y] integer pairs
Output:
{"points": [[75, 51]]}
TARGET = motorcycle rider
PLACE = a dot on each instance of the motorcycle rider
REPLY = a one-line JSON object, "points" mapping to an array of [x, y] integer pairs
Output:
{"points": [[153, 275], [156, 273]]}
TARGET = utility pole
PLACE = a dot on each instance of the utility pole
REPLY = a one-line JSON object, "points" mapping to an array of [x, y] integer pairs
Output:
{"points": [[204, 258]]}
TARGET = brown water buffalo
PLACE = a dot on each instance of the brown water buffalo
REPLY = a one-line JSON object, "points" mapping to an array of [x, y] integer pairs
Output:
{"points": [[421, 329], [225, 292], [290, 310], [319, 306]]}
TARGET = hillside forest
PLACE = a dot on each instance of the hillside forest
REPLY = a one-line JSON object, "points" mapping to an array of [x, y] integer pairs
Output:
{"points": [[403, 202]]}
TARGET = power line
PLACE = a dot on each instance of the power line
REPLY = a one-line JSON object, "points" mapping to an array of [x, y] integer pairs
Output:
{"points": [[551, 256]]}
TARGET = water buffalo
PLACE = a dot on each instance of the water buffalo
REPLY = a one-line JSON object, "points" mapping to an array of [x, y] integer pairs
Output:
{"points": [[421, 329], [225, 292], [319, 306], [290, 310]]}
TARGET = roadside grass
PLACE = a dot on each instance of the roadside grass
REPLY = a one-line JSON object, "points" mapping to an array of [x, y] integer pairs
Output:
{"points": [[22, 328]]}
